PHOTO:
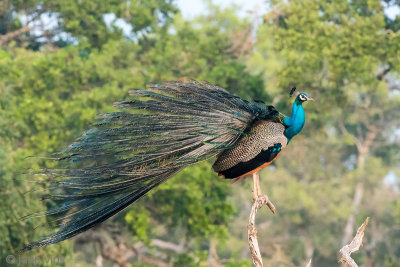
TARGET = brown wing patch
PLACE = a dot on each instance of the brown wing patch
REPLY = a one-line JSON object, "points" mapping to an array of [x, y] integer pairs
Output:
{"points": [[262, 135]]}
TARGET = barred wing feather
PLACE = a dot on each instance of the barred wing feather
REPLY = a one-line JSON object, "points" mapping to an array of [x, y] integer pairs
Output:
{"points": [[126, 154]]}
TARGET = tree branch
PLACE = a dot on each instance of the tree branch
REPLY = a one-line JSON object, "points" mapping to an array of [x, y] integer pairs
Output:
{"points": [[353, 246], [168, 245], [252, 236], [346, 132], [259, 201], [4, 38], [348, 230], [8, 36], [382, 74]]}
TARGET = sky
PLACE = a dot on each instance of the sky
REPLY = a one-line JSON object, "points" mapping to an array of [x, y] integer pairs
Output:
{"points": [[191, 8]]}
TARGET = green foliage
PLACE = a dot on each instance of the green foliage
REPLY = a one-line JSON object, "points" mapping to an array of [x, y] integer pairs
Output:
{"points": [[337, 51], [203, 213], [186, 260], [82, 21], [138, 220], [50, 96]]}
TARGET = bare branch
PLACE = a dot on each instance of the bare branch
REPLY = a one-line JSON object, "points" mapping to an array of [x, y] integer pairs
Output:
{"points": [[353, 246], [168, 245], [346, 132], [259, 201], [4, 38], [348, 231], [394, 87], [252, 236], [382, 75], [8, 36]]}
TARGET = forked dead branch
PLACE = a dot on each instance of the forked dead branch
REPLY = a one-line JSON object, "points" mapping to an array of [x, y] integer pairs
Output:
{"points": [[353, 246], [260, 200]]}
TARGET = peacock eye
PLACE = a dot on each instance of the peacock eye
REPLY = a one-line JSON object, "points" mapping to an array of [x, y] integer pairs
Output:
{"points": [[302, 98]]}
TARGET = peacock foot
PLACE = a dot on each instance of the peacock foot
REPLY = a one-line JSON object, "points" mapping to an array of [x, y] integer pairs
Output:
{"points": [[264, 200]]}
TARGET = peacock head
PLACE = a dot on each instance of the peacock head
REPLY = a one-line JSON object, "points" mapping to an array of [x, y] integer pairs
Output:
{"points": [[301, 97]]}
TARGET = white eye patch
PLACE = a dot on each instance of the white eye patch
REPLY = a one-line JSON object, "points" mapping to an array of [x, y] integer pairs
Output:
{"points": [[302, 97]]}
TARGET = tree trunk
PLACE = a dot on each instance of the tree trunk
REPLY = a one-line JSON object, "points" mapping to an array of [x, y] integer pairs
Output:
{"points": [[351, 221], [363, 147]]}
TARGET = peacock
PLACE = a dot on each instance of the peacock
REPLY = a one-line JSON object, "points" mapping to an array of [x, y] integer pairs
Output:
{"points": [[153, 136]]}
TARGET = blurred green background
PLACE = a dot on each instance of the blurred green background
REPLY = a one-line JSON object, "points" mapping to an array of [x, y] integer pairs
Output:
{"points": [[64, 62]]}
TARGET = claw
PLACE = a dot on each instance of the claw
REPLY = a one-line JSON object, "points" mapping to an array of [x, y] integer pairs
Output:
{"points": [[261, 199], [264, 200]]}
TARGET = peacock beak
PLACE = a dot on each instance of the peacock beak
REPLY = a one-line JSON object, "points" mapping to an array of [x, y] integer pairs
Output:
{"points": [[309, 98]]}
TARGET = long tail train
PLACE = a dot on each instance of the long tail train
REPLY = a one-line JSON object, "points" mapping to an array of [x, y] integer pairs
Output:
{"points": [[126, 154]]}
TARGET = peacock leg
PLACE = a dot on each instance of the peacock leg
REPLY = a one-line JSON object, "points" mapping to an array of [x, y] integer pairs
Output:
{"points": [[262, 199], [256, 186]]}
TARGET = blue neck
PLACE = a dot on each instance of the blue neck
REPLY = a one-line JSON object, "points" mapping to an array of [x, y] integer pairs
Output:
{"points": [[295, 123]]}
